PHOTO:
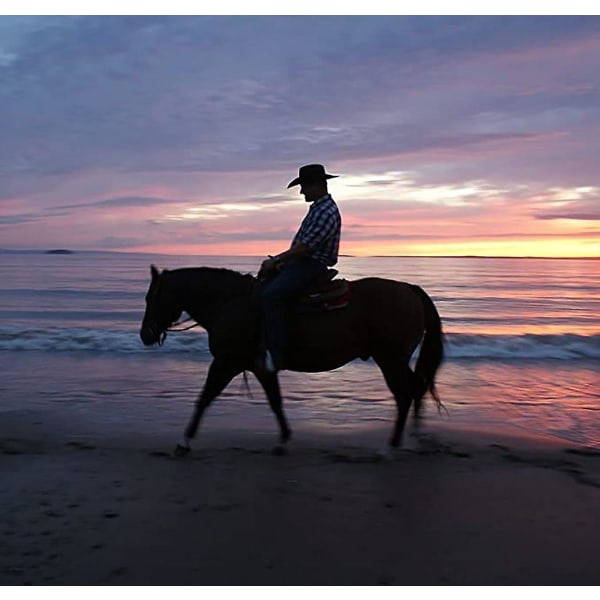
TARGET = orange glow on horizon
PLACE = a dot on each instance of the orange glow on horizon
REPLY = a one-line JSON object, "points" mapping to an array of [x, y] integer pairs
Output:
{"points": [[547, 248], [586, 247]]}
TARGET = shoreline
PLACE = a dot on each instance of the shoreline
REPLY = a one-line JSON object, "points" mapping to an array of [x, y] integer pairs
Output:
{"points": [[91, 506]]}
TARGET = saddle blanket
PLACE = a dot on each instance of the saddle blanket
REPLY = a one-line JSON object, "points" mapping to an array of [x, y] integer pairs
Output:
{"points": [[328, 296]]}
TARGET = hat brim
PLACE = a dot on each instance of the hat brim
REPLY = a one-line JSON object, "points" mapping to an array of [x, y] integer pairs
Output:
{"points": [[298, 181]]}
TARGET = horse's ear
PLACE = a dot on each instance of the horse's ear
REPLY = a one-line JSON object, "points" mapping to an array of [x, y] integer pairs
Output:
{"points": [[154, 272]]}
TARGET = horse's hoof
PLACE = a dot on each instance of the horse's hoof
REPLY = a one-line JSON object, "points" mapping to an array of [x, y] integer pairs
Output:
{"points": [[383, 454], [388, 454], [181, 451], [279, 450]]}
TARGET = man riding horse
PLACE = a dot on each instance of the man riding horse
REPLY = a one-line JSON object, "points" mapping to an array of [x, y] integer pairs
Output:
{"points": [[385, 320], [289, 274]]}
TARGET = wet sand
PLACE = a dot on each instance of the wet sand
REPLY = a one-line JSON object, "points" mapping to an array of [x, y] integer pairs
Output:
{"points": [[87, 506]]}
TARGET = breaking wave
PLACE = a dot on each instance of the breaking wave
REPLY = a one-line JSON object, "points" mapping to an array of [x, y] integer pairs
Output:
{"points": [[195, 342]]}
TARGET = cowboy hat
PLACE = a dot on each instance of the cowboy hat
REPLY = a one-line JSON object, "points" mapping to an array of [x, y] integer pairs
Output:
{"points": [[311, 174]]}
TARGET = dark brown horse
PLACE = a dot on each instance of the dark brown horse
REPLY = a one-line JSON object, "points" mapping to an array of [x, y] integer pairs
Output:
{"points": [[385, 320]]}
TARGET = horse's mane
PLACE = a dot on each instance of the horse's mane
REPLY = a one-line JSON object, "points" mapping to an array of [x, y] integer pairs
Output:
{"points": [[224, 278]]}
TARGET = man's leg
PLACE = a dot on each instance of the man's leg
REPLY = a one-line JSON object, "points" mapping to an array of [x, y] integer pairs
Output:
{"points": [[293, 280]]}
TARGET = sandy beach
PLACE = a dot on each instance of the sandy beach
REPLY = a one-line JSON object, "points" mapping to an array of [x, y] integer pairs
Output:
{"points": [[453, 508]]}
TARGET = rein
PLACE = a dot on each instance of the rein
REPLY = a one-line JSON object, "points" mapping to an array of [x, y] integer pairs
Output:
{"points": [[179, 323], [171, 328]]}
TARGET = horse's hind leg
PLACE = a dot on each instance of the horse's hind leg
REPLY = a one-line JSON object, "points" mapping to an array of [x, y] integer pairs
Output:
{"points": [[398, 378], [418, 389], [270, 384], [220, 373]]}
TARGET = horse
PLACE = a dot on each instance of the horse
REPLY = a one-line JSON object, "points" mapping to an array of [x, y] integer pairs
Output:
{"points": [[385, 320]]}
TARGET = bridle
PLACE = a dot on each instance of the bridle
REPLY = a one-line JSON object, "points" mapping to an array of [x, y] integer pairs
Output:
{"points": [[161, 334], [176, 327]]}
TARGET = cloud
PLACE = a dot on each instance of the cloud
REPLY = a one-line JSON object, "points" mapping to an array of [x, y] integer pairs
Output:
{"points": [[198, 93], [122, 202], [587, 209], [17, 219], [151, 118]]}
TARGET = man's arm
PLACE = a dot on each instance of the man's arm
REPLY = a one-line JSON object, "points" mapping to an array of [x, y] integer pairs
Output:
{"points": [[296, 251], [273, 262]]}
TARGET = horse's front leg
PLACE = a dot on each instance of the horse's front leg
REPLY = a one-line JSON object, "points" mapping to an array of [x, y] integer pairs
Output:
{"points": [[270, 383], [220, 373]]}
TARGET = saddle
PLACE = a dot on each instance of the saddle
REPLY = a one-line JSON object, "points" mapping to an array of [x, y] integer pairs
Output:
{"points": [[326, 294]]}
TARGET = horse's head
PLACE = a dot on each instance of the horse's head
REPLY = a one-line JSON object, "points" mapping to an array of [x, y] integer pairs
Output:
{"points": [[162, 309]]}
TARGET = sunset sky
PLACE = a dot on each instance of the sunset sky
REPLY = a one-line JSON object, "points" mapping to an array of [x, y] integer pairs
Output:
{"points": [[451, 135]]}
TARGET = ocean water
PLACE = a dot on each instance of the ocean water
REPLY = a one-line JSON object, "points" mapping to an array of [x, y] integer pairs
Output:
{"points": [[523, 347]]}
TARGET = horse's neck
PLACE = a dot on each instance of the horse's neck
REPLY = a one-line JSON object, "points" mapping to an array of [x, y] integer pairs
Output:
{"points": [[208, 292]]}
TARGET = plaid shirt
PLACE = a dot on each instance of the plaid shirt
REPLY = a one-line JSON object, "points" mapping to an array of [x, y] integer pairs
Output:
{"points": [[321, 230]]}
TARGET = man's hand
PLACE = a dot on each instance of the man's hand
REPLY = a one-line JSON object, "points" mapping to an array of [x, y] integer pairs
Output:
{"points": [[268, 268]]}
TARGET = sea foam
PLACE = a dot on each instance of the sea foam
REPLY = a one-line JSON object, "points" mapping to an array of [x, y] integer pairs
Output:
{"points": [[458, 346]]}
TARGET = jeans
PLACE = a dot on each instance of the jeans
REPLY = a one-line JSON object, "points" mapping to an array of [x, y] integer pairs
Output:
{"points": [[289, 284]]}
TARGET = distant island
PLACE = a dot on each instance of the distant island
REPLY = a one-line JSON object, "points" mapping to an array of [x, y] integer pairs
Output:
{"points": [[59, 251]]}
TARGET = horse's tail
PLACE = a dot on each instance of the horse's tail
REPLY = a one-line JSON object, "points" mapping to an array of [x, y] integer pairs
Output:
{"points": [[432, 351]]}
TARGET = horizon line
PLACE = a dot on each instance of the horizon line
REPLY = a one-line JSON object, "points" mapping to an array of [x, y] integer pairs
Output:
{"points": [[65, 251]]}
